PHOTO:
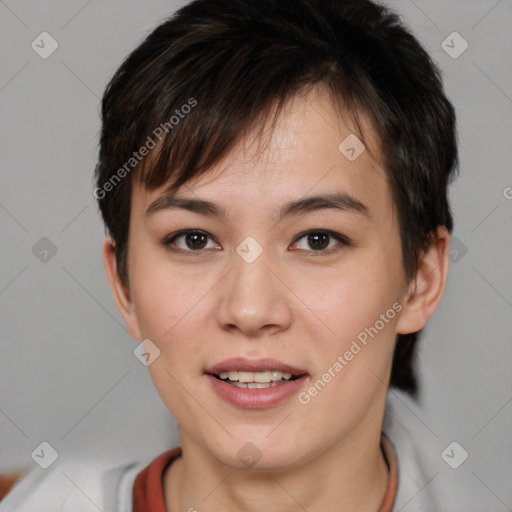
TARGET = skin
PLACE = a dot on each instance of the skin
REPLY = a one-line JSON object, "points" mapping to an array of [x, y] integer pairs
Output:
{"points": [[294, 303]]}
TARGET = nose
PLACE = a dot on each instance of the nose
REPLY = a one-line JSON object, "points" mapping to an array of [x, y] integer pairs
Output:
{"points": [[255, 297]]}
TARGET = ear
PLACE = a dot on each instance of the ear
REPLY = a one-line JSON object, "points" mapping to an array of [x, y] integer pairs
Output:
{"points": [[120, 290], [427, 287]]}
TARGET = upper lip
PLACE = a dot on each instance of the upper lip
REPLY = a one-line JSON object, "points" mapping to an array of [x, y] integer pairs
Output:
{"points": [[253, 365]]}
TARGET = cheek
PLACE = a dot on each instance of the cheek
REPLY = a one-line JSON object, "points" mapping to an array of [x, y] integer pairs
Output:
{"points": [[361, 309], [156, 307], [161, 296], [172, 312], [357, 298], [354, 355]]}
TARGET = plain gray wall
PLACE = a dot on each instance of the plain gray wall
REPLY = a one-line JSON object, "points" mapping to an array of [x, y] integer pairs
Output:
{"points": [[68, 373]]}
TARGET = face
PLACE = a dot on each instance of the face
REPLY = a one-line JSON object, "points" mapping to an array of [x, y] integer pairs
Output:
{"points": [[248, 274]]}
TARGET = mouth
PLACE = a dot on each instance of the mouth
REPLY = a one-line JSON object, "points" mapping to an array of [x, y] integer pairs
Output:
{"points": [[255, 383], [256, 380]]}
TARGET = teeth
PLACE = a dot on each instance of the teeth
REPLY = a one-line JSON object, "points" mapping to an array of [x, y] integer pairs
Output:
{"points": [[253, 385], [258, 385], [245, 376], [262, 376], [266, 377], [276, 375]]}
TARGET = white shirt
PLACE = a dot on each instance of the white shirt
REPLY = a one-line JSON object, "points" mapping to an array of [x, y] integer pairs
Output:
{"points": [[75, 486]]}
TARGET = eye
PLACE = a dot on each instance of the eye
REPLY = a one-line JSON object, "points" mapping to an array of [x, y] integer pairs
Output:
{"points": [[320, 241], [193, 241]]}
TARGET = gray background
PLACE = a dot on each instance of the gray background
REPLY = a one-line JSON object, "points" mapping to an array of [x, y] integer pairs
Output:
{"points": [[68, 373]]}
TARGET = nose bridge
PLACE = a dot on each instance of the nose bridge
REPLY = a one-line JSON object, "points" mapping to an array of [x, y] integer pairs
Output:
{"points": [[250, 266], [252, 297]]}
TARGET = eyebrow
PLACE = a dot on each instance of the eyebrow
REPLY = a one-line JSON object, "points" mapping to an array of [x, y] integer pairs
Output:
{"points": [[339, 201]]}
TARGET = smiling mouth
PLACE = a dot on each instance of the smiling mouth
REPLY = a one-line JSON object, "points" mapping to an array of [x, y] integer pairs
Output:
{"points": [[256, 380]]}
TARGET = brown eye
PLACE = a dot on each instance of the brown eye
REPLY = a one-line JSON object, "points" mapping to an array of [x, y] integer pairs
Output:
{"points": [[321, 241], [318, 241], [195, 240], [189, 241]]}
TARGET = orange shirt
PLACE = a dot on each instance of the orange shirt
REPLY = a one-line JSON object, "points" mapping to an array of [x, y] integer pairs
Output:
{"points": [[148, 493]]}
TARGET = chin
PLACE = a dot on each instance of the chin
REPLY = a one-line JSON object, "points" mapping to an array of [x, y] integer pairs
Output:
{"points": [[259, 453]]}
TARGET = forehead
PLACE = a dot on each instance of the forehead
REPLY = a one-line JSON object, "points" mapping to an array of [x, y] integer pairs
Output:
{"points": [[310, 150]]}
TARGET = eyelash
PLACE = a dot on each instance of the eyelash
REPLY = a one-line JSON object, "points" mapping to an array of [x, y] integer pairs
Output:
{"points": [[343, 240]]}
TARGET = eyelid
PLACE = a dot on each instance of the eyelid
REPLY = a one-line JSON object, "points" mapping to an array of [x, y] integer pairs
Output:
{"points": [[342, 239], [168, 241]]}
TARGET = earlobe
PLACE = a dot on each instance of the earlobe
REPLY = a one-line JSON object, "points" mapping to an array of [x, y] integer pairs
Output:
{"points": [[120, 290], [427, 287]]}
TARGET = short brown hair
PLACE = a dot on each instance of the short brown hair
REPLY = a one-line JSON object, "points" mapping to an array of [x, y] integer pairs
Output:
{"points": [[231, 61]]}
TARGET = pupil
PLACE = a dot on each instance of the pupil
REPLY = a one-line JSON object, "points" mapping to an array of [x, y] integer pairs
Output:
{"points": [[195, 237], [314, 238]]}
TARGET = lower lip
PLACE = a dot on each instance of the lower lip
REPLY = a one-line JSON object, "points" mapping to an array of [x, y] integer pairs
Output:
{"points": [[256, 398]]}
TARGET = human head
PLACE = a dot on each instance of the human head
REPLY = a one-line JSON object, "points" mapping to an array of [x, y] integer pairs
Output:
{"points": [[216, 69]]}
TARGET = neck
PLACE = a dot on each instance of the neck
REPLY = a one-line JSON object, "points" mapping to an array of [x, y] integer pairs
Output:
{"points": [[350, 476]]}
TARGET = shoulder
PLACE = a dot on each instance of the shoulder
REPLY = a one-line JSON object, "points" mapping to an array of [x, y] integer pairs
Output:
{"points": [[415, 453], [75, 486], [426, 482]]}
